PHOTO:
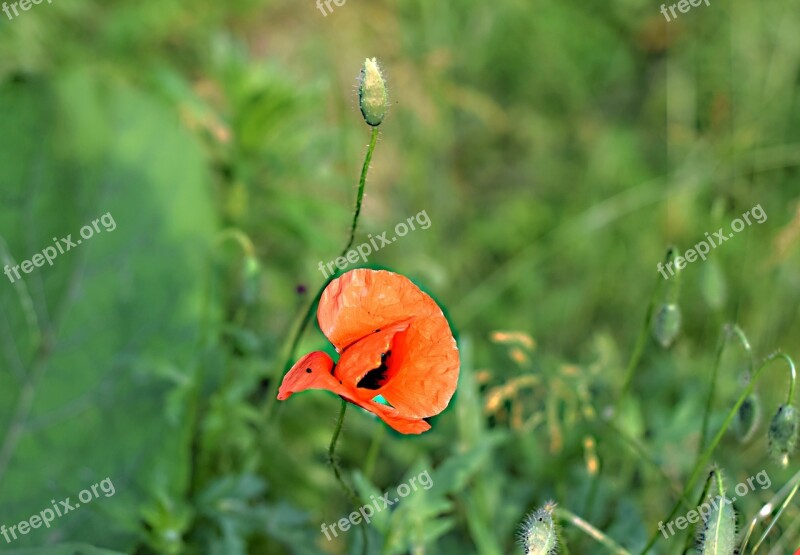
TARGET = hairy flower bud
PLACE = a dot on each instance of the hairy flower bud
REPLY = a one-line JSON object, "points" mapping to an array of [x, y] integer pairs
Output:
{"points": [[783, 433], [372, 97], [718, 533], [538, 533]]}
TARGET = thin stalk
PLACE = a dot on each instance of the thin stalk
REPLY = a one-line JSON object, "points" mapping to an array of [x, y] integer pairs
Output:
{"points": [[638, 351], [706, 457], [298, 334], [766, 510], [689, 542], [730, 329], [591, 531], [354, 499], [775, 519], [373, 140]]}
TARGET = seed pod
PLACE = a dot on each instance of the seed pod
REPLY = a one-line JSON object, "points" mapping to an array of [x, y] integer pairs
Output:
{"points": [[372, 97], [538, 532], [748, 417], [667, 324], [718, 533], [783, 433]]}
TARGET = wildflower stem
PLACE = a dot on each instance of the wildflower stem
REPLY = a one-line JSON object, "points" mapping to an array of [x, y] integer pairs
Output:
{"points": [[298, 334], [638, 350], [728, 330], [354, 499], [789, 490], [591, 531], [775, 519], [706, 457], [361, 185]]}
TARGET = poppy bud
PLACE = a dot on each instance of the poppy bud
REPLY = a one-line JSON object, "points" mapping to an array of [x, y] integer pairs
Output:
{"points": [[783, 432], [538, 534], [747, 418], [718, 534], [372, 96], [667, 324]]}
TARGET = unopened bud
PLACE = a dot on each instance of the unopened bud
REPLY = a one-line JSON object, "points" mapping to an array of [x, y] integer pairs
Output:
{"points": [[783, 432], [372, 97], [718, 533], [538, 534], [667, 324]]}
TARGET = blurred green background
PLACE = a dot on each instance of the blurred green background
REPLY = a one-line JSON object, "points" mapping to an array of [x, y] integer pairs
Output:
{"points": [[558, 148]]}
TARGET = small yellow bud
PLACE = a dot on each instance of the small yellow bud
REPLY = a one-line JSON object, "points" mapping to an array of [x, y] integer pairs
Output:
{"points": [[372, 96]]}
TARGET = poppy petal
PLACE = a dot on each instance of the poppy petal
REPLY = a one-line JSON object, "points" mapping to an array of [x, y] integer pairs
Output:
{"points": [[313, 371], [369, 356], [423, 370], [427, 363], [361, 301], [403, 424]]}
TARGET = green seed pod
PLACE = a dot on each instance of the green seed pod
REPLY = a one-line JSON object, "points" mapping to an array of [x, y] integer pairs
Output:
{"points": [[538, 536], [783, 432], [667, 324], [372, 97], [718, 533], [747, 418]]}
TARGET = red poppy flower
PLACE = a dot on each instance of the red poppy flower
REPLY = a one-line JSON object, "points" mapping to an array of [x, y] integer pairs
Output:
{"points": [[392, 340]]}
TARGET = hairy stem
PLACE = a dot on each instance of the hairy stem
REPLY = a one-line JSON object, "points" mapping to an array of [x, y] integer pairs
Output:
{"points": [[354, 499], [298, 334]]}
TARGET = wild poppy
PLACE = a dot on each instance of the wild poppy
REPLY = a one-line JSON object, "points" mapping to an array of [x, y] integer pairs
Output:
{"points": [[393, 341]]}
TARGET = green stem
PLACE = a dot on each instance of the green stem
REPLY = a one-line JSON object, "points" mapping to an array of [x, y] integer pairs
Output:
{"points": [[776, 518], [706, 457], [298, 334], [636, 356], [239, 237], [361, 185], [674, 285], [730, 329], [641, 341], [689, 538], [591, 531], [354, 499], [792, 485], [332, 455]]}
